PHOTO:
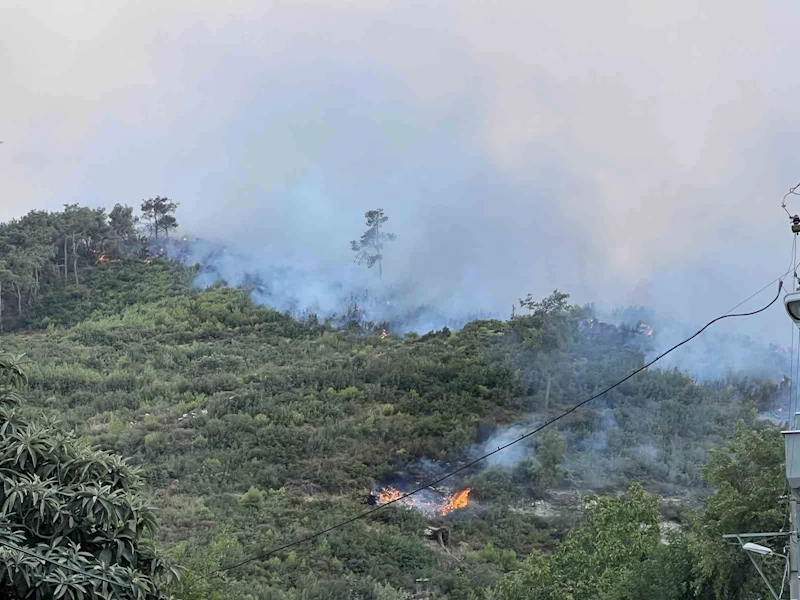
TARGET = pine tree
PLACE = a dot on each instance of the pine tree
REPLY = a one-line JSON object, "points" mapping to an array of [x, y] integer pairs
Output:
{"points": [[369, 249]]}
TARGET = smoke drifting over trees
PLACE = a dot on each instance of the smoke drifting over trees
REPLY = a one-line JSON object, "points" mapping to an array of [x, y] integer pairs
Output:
{"points": [[517, 149], [590, 163], [369, 249]]}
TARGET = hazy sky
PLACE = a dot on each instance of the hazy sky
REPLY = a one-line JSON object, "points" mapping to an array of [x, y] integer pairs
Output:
{"points": [[627, 152]]}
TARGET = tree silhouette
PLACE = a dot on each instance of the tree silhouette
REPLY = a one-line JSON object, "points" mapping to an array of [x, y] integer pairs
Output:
{"points": [[369, 249], [160, 215]]}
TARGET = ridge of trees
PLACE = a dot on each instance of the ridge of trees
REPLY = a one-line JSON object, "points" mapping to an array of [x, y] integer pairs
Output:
{"points": [[46, 251]]}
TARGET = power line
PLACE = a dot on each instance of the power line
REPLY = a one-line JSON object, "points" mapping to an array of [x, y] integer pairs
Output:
{"points": [[64, 565], [754, 294], [534, 431], [792, 192]]}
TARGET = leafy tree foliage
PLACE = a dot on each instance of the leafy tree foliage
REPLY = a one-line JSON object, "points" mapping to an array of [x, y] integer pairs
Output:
{"points": [[123, 224], [617, 553], [597, 558], [159, 212], [369, 249], [549, 456], [555, 304], [748, 474], [57, 253], [74, 522]]}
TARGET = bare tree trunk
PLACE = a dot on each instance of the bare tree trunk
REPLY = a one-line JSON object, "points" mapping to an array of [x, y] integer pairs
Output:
{"points": [[378, 250], [65, 258], [33, 292], [1, 307], [75, 259], [18, 290], [547, 392]]}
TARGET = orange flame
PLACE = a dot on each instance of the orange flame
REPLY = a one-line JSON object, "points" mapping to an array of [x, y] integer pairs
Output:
{"points": [[456, 501], [388, 495], [384, 335]]}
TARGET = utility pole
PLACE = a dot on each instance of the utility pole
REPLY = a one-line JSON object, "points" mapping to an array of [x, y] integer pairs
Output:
{"points": [[791, 440], [791, 443]]}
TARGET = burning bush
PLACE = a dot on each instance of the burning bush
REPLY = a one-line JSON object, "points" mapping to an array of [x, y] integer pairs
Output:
{"points": [[426, 501]]}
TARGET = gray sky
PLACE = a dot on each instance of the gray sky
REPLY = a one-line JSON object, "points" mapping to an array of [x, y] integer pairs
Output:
{"points": [[626, 152]]}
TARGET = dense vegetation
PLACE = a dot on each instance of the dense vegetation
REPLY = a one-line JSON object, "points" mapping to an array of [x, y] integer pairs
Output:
{"points": [[254, 429], [47, 252], [80, 509]]}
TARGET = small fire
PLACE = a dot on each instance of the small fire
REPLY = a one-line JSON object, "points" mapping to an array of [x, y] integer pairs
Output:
{"points": [[104, 259], [456, 501], [431, 507], [388, 495], [384, 335]]}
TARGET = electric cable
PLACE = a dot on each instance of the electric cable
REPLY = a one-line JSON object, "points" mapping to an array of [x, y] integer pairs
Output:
{"points": [[785, 576], [64, 565], [524, 436], [754, 294], [796, 401], [794, 390], [792, 192], [792, 370]]}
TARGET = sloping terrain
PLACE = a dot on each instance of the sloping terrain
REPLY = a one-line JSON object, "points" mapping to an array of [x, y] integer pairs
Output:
{"points": [[254, 429]]}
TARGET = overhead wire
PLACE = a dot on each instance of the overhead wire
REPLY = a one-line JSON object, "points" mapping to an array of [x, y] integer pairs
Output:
{"points": [[794, 388], [785, 576], [796, 399], [366, 513], [63, 565], [792, 370], [794, 365], [792, 192]]}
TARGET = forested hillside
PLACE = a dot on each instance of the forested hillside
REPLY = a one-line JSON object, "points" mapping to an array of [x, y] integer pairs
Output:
{"points": [[253, 429]]}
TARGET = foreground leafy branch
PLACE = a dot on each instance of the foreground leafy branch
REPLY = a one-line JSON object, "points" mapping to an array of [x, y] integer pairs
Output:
{"points": [[74, 522]]}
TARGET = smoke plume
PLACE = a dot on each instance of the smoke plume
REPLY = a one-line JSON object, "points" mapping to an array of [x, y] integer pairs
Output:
{"points": [[625, 153]]}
